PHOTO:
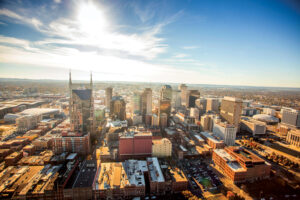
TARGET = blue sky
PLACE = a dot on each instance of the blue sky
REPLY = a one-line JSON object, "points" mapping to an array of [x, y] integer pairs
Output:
{"points": [[232, 42]]}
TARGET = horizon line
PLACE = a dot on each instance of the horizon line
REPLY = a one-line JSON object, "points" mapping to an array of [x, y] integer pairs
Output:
{"points": [[228, 85]]}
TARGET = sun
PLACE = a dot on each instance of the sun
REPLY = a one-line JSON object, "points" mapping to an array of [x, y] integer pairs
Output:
{"points": [[91, 19]]}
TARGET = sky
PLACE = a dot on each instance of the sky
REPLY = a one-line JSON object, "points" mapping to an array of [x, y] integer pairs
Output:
{"points": [[224, 42]]}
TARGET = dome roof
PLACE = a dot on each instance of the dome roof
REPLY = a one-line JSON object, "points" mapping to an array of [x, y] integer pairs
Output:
{"points": [[266, 118]]}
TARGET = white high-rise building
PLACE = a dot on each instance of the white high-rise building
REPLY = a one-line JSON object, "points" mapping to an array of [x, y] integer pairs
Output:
{"points": [[176, 98], [290, 117], [226, 132], [194, 112]]}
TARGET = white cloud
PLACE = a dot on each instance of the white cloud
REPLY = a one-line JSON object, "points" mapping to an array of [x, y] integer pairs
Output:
{"points": [[29, 21], [57, 1], [190, 47], [61, 48], [181, 55], [121, 69]]}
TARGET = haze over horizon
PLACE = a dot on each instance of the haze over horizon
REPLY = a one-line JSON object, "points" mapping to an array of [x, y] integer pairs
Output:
{"points": [[253, 43]]}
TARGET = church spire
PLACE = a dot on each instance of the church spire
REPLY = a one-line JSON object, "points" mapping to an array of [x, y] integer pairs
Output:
{"points": [[70, 78], [91, 80]]}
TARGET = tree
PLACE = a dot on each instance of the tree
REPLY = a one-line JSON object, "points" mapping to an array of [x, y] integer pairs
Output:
{"points": [[187, 194], [230, 195]]}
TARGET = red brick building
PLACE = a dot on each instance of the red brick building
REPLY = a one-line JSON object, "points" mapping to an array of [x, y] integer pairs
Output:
{"points": [[72, 142], [13, 158], [135, 145], [240, 165]]}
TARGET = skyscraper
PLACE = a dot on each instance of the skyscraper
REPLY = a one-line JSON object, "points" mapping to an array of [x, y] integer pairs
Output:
{"points": [[81, 110], [231, 110], [201, 105], [183, 89], [146, 105], [176, 98], [136, 103], [164, 109], [108, 96], [212, 105], [118, 108], [166, 92], [193, 96], [81, 106]]}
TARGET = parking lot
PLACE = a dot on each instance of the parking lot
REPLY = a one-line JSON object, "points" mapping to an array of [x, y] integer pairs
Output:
{"points": [[201, 176]]}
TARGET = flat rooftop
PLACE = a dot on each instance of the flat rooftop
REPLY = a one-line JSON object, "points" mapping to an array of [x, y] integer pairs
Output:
{"points": [[177, 175], [231, 162], [199, 137], [135, 171], [111, 175], [232, 99], [86, 175], [155, 170], [246, 155], [211, 137]]}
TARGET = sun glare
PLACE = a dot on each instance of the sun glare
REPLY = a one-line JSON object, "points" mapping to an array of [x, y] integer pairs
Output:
{"points": [[91, 19]]}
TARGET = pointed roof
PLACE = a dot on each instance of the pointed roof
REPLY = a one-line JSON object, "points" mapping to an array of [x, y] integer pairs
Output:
{"points": [[83, 94]]}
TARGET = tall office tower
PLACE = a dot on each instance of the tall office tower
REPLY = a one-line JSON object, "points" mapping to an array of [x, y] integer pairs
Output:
{"points": [[136, 103], [163, 120], [155, 120], [164, 109], [81, 106], [118, 108], [194, 112], [226, 132], [193, 96], [201, 105], [231, 110], [183, 89], [212, 105], [166, 92], [207, 122], [176, 99], [290, 117], [108, 96], [146, 99]]}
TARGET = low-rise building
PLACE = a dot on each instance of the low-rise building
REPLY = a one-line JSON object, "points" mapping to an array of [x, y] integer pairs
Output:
{"points": [[13, 158], [240, 165], [103, 154], [71, 142], [156, 178], [162, 148], [82, 186], [135, 144], [26, 122], [212, 141], [293, 137], [116, 180], [253, 126]]}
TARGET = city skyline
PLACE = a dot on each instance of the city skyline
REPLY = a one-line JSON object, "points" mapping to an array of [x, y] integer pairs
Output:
{"points": [[251, 43]]}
